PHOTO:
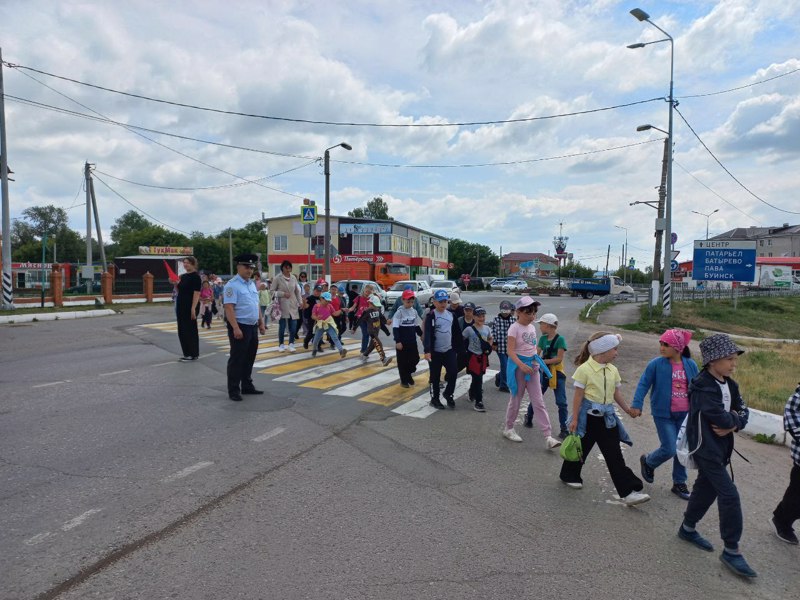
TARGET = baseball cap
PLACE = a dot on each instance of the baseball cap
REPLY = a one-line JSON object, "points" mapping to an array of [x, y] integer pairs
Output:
{"points": [[317, 288], [523, 302], [469, 306], [321, 281], [506, 305], [440, 295], [375, 300], [409, 293], [326, 296], [548, 318], [455, 298], [479, 310]]}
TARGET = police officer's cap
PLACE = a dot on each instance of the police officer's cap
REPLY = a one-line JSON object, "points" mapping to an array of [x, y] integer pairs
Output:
{"points": [[248, 260]]}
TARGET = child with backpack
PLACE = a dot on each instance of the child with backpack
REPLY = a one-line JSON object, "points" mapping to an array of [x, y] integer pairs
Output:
{"points": [[597, 389], [322, 315], [667, 379], [788, 511], [504, 319], [375, 322], [553, 346], [716, 410], [478, 341], [523, 373]]}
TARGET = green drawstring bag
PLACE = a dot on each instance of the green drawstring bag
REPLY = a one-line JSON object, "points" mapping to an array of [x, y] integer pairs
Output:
{"points": [[571, 449]]}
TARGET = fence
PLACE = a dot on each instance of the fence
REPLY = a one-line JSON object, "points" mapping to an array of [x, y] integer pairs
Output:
{"points": [[683, 293]]}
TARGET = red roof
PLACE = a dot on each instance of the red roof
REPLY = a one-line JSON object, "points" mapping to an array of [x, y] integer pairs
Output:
{"points": [[526, 256]]}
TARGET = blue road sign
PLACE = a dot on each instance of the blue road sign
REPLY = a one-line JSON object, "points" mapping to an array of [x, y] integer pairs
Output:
{"points": [[716, 260], [673, 265], [308, 214]]}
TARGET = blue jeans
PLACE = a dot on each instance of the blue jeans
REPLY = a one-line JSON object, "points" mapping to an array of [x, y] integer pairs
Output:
{"points": [[503, 368], [364, 337], [331, 331], [668, 428], [282, 329]]}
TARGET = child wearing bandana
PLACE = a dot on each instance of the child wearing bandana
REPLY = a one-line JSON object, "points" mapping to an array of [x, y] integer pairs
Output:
{"points": [[667, 379]]}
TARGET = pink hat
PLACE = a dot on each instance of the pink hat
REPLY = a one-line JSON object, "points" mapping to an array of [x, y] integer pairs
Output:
{"points": [[676, 338]]}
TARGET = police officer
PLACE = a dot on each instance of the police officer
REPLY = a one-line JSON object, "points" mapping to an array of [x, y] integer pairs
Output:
{"points": [[244, 321]]}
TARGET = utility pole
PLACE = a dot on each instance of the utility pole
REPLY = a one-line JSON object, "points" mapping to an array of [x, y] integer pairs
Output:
{"points": [[97, 225], [8, 288], [87, 174], [230, 251], [662, 196]]}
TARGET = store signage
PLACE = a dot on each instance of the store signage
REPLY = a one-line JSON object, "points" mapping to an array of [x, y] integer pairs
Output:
{"points": [[365, 228], [357, 258], [166, 250]]}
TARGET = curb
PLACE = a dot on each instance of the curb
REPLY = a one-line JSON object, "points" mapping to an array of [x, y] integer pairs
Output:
{"points": [[62, 316], [767, 424], [753, 339]]}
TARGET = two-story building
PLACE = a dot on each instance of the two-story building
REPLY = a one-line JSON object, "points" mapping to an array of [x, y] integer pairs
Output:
{"points": [[770, 241], [358, 246], [531, 264]]}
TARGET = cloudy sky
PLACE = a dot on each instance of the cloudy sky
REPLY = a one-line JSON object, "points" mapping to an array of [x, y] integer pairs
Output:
{"points": [[419, 67]]}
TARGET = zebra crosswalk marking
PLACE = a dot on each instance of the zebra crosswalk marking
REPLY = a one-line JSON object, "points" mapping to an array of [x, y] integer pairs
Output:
{"points": [[331, 381], [319, 371], [396, 393], [329, 356], [359, 386], [420, 406]]}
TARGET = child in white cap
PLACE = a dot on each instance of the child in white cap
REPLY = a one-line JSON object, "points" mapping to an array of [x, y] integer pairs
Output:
{"points": [[523, 373], [597, 388]]}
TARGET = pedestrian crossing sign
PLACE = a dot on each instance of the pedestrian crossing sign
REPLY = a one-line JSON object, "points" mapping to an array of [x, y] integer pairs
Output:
{"points": [[308, 214]]}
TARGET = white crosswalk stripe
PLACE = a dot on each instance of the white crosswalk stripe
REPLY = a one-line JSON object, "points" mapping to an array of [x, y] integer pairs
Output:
{"points": [[301, 369]]}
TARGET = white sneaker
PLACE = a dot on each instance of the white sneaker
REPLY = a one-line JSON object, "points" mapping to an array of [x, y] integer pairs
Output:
{"points": [[552, 442], [386, 360], [281, 348], [291, 348], [635, 498], [512, 435], [575, 485], [363, 359]]}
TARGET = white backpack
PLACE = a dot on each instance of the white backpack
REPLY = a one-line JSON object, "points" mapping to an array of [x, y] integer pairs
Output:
{"points": [[682, 450]]}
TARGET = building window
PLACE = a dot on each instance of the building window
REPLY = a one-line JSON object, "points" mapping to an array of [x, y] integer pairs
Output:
{"points": [[761, 243], [424, 251], [281, 243], [384, 242], [362, 243], [316, 272], [769, 242]]}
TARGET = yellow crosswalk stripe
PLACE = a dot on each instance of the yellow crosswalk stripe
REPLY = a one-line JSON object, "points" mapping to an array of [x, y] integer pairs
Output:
{"points": [[394, 394], [331, 381], [299, 365]]}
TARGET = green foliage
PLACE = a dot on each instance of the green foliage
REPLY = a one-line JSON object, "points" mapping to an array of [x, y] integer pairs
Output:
{"points": [[763, 438], [465, 255], [128, 223], [580, 271], [375, 209]]}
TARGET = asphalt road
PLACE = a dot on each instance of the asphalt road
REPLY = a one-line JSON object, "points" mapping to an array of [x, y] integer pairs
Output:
{"points": [[126, 474]]}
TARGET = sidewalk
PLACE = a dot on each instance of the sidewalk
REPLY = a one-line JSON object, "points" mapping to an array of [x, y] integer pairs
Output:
{"points": [[621, 313], [55, 316]]}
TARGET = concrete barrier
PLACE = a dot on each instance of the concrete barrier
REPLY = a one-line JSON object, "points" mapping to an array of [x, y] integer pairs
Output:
{"points": [[767, 424]]}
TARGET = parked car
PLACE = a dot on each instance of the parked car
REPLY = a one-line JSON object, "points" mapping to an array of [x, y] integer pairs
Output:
{"points": [[421, 289], [448, 285], [360, 283], [498, 282], [515, 285]]}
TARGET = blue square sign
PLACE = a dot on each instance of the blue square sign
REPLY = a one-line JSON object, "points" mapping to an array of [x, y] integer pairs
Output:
{"points": [[308, 214], [718, 260]]}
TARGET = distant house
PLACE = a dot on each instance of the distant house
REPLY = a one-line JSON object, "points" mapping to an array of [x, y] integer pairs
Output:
{"points": [[783, 241], [534, 264]]}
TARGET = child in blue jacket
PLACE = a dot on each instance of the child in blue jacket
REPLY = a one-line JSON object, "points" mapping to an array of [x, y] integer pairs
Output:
{"points": [[667, 379], [716, 411]]}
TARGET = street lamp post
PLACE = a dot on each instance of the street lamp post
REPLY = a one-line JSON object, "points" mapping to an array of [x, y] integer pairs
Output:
{"points": [[624, 254], [346, 146], [667, 274], [707, 217]]}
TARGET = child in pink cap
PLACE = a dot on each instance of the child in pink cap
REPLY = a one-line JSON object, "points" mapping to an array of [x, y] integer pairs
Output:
{"points": [[667, 379]]}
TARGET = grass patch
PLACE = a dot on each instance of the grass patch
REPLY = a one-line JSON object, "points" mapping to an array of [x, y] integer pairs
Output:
{"points": [[768, 374], [600, 307], [755, 317]]}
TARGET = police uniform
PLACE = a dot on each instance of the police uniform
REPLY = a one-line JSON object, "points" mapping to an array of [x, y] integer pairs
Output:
{"points": [[243, 295]]}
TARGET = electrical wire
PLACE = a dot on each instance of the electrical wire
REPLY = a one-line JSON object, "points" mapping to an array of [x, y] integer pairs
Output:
{"points": [[335, 123], [685, 170], [732, 176], [741, 87]]}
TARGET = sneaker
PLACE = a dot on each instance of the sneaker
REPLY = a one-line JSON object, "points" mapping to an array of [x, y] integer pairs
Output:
{"points": [[695, 538], [291, 348], [386, 360], [680, 490], [404, 385], [314, 353], [320, 350], [562, 435], [343, 352], [635, 498], [552, 442], [410, 381], [363, 358], [784, 532], [281, 348], [737, 564], [512, 435], [305, 345], [185, 358], [451, 403], [575, 485], [528, 423], [479, 406], [504, 388], [648, 472], [437, 404]]}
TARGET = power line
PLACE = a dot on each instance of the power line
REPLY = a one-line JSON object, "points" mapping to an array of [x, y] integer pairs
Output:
{"points": [[732, 176], [337, 123], [685, 170], [741, 87]]}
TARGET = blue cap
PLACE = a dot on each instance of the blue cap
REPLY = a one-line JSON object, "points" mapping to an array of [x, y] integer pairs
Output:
{"points": [[326, 296], [341, 288], [440, 295], [408, 286]]}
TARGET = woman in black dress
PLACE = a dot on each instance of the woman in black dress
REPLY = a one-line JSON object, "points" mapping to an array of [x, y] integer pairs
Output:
{"points": [[186, 309]]}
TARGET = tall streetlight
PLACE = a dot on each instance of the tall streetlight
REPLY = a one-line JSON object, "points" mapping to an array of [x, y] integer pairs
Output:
{"points": [[666, 293], [346, 146], [707, 217], [625, 253]]}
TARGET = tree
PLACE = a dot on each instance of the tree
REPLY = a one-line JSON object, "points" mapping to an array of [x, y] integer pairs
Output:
{"points": [[129, 222], [46, 219], [468, 257], [375, 209]]}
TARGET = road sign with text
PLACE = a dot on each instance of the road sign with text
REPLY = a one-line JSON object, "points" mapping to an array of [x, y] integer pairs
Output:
{"points": [[717, 260]]}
